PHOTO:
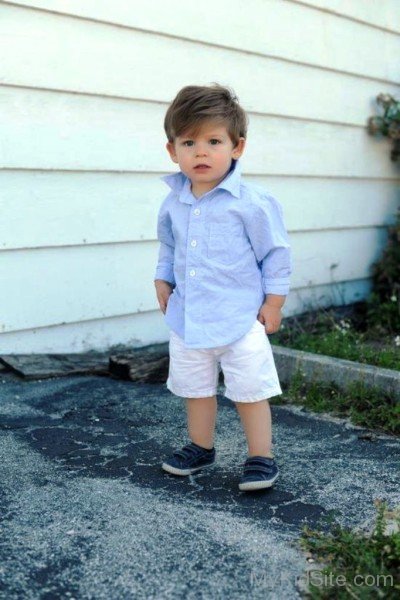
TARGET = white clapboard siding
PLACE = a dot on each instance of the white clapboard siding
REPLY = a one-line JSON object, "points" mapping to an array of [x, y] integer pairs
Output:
{"points": [[76, 284], [59, 208], [289, 30], [336, 259], [134, 331], [324, 296], [333, 203], [149, 327], [296, 89], [70, 131], [374, 13], [83, 91]]}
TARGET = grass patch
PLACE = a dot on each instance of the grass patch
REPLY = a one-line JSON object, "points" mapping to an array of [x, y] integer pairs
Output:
{"points": [[347, 344], [341, 332], [354, 565], [365, 406]]}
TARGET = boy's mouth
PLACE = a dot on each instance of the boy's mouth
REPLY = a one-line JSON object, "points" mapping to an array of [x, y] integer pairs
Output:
{"points": [[201, 167]]}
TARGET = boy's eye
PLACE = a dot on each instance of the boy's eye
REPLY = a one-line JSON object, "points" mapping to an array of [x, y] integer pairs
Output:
{"points": [[213, 142]]}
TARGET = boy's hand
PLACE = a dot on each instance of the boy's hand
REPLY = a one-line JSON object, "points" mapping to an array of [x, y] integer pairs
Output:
{"points": [[271, 317], [163, 291]]}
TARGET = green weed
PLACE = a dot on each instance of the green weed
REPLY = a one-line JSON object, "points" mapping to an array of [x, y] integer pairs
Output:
{"points": [[355, 565]]}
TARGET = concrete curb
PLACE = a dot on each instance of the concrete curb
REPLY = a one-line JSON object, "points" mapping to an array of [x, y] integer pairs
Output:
{"points": [[324, 369]]}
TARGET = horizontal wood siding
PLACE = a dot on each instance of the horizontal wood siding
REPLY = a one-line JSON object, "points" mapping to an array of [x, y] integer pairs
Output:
{"points": [[288, 30], [375, 13], [83, 91]]}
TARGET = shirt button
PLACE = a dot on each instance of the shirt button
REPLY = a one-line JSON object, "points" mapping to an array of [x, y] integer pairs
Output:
{"points": [[196, 211], [193, 243], [192, 273]]}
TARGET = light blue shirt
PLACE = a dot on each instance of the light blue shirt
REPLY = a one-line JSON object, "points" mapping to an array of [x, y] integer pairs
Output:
{"points": [[222, 252]]}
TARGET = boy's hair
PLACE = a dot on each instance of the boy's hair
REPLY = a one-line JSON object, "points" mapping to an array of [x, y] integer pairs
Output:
{"points": [[195, 104]]}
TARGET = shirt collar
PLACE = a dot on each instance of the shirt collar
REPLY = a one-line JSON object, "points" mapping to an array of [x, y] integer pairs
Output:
{"points": [[180, 184]]}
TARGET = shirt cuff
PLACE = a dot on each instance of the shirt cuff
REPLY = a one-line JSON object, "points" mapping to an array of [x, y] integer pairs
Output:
{"points": [[165, 273], [276, 286]]}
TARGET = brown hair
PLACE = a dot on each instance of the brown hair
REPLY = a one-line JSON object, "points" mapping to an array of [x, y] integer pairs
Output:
{"points": [[195, 104]]}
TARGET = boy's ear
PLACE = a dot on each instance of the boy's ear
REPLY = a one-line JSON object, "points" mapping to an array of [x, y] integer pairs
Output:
{"points": [[170, 146], [239, 148]]}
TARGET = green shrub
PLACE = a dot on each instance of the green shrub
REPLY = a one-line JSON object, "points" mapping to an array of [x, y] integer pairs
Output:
{"points": [[383, 304]]}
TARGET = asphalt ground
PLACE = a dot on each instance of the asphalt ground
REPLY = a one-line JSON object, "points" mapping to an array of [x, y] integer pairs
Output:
{"points": [[87, 512]]}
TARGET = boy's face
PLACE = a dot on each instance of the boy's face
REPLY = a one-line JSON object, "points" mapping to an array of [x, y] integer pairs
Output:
{"points": [[206, 158]]}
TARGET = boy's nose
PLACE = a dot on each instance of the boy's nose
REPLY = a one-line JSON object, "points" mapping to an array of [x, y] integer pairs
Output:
{"points": [[201, 151]]}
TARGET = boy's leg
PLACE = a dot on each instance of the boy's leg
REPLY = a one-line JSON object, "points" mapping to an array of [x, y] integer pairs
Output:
{"points": [[193, 375], [251, 378], [201, 418], [256, 421]]}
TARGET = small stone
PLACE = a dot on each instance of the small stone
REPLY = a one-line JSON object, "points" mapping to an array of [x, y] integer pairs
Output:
{"points": [[369, 436]]}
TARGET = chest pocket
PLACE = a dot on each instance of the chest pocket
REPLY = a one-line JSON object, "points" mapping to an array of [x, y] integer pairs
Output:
{"points": [[225, 243]]}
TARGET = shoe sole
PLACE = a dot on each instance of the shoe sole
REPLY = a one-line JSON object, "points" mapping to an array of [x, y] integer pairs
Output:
{"points": [[176, 471], [257, 485]]}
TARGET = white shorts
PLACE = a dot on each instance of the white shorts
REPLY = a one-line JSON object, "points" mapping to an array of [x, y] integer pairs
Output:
{"points": [[247, 364]]}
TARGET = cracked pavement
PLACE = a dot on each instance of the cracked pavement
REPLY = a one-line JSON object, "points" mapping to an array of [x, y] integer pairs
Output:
{"points": [[87, 512]]}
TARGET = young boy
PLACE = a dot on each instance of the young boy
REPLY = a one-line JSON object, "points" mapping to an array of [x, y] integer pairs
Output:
{"points": [[221, 279]]}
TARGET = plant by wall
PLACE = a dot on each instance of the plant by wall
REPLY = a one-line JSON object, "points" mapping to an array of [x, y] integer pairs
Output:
{"points": [[383, 304], [389, 123]]}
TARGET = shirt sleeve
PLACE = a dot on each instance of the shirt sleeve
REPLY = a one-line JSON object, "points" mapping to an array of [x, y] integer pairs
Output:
{"points": [[165, 264], [270, 241]]}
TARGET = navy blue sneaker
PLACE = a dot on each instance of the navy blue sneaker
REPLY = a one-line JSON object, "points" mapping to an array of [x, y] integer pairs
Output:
{"points": [[259, 472], [189, 459]]}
